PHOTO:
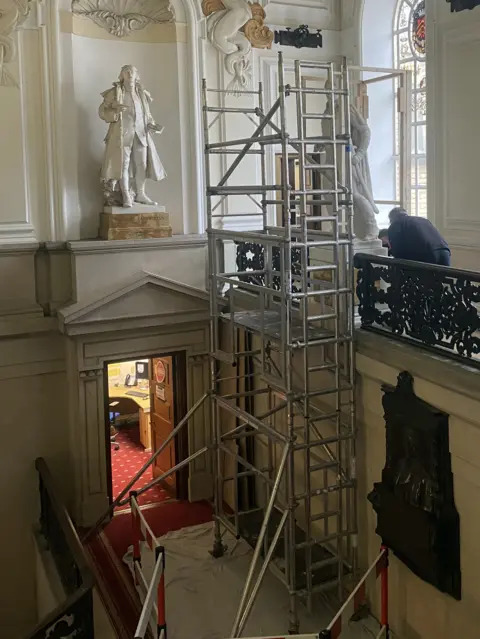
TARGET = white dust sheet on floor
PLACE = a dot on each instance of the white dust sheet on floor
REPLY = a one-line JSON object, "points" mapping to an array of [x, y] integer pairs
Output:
{"points": [[203, 594]]}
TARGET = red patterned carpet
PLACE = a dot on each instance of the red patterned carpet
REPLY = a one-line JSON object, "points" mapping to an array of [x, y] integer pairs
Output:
{"points": [[108, 548], [127, 461]]}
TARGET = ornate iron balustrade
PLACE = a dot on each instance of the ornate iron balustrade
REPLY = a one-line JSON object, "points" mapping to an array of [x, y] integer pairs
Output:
{"points": [[73, 617], [251, 257], [436, 307]]}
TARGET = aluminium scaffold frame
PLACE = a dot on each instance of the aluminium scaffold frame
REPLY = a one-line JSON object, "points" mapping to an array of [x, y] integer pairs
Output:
{"points": [[303, 309], [289, 320]]}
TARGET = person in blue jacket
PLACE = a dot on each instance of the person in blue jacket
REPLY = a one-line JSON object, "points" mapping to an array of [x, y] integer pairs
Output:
{"points": [[415, 238]]}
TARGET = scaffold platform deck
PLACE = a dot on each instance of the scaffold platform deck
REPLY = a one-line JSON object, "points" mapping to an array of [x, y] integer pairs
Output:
{"points": [[270, 324]]}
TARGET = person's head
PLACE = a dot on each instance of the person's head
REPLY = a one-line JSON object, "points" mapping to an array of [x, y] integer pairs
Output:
{"points": [[383, 235], [129, 75], [396, 213]]}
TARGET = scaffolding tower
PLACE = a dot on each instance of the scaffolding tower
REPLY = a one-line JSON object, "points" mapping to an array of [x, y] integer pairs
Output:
{"points": [[283, 329]]}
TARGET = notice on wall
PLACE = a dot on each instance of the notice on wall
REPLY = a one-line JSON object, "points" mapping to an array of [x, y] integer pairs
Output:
{"points": [[160, 373], [160, 393]]}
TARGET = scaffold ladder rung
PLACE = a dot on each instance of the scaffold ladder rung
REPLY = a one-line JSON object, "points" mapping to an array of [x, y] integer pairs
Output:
{"points": [[319, 565], [327, 514], [317, 116], [322, 218], [323, 466], [320, 167], [323, 540], [321, 267]]}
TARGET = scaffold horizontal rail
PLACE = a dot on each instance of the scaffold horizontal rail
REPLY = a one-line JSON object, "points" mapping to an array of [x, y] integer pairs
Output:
{"points": [[323, 442], [258, 140], [320, 167], [341, 141], [315, 91], [317, 116], [253, 189], [222, 151], [223, 109]]}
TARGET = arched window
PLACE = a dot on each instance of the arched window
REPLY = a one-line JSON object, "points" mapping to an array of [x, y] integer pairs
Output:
{"points": [[410, 51]]}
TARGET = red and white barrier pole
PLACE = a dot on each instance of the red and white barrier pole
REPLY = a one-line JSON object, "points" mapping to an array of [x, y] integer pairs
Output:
{"points": [[161, 607], [136, 532], [379, 568], [384, 593]]}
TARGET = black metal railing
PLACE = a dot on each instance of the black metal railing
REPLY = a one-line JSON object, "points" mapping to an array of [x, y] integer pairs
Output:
{"points": [[251, 257], [436, 307], [74, 616]]}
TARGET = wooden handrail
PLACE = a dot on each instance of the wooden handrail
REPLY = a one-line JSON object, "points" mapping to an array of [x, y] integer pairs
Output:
{"points": [[79, 602]]}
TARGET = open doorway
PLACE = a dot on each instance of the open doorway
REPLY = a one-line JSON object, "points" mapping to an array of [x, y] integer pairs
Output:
{"points": [[144, 400]]}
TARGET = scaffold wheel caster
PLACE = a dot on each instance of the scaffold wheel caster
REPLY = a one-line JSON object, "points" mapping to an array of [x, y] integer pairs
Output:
{"points": [[218, 550]]}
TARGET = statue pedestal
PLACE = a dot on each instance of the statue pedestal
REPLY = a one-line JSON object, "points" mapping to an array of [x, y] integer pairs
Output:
{"points": [[141, 221], [374, 247]]}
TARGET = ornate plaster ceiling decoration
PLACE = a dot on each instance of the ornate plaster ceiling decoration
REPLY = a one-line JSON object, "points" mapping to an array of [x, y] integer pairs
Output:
{"points": [[233, 28], [121, 17], [13, 14], [256, 31]]}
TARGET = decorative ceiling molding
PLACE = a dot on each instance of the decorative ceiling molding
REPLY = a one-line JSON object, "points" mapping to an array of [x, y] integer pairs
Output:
{"points": [[256, 31], [13, 14], [233, 29], [121, 17]]}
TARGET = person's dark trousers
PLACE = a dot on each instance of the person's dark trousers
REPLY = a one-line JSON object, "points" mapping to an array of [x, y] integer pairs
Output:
{"points": [[442, 257]]}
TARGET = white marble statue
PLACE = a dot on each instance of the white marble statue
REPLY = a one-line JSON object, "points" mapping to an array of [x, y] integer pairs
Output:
{"points": [[130, 154], [223, 29], [364, 208]]}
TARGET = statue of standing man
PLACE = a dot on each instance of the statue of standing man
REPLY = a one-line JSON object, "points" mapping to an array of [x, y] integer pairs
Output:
{"points": [[130, 154]]}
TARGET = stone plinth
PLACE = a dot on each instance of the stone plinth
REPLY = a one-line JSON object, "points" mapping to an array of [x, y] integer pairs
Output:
{"points": [[138, 222], [373, 247]]}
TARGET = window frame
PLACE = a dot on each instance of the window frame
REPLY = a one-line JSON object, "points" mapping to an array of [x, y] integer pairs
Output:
{"points": [[415, 61]]}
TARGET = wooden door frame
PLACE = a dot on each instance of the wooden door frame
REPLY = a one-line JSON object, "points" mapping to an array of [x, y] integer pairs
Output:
{"points": [[180, 403]]}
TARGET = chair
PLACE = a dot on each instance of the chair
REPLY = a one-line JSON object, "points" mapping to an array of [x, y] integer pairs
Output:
{"points": [[112, 416]]}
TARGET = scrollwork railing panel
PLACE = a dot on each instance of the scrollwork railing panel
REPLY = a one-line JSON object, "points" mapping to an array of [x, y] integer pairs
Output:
{"points": [[251, 257], [435, 306]]}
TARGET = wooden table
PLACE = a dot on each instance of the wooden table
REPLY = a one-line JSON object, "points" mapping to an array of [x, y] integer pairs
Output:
{"points": [[121, 392]]}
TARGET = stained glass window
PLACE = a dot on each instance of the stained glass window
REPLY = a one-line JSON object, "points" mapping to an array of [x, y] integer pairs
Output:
{"points": [[410, 53]]}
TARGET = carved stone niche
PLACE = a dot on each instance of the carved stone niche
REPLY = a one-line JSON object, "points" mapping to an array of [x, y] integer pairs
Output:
{"points": [[414, 502], [122, 18]]}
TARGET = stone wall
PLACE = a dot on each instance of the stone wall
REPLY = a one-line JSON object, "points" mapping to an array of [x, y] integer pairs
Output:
{"points": [[419, 611]]}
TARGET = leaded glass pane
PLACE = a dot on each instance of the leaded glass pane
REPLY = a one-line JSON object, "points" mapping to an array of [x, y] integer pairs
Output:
{"points": [[404, 48], [404, 16], [421, 139], [417, 29], [422, 202], [421, 172], [420, 75], [410, 51]]}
